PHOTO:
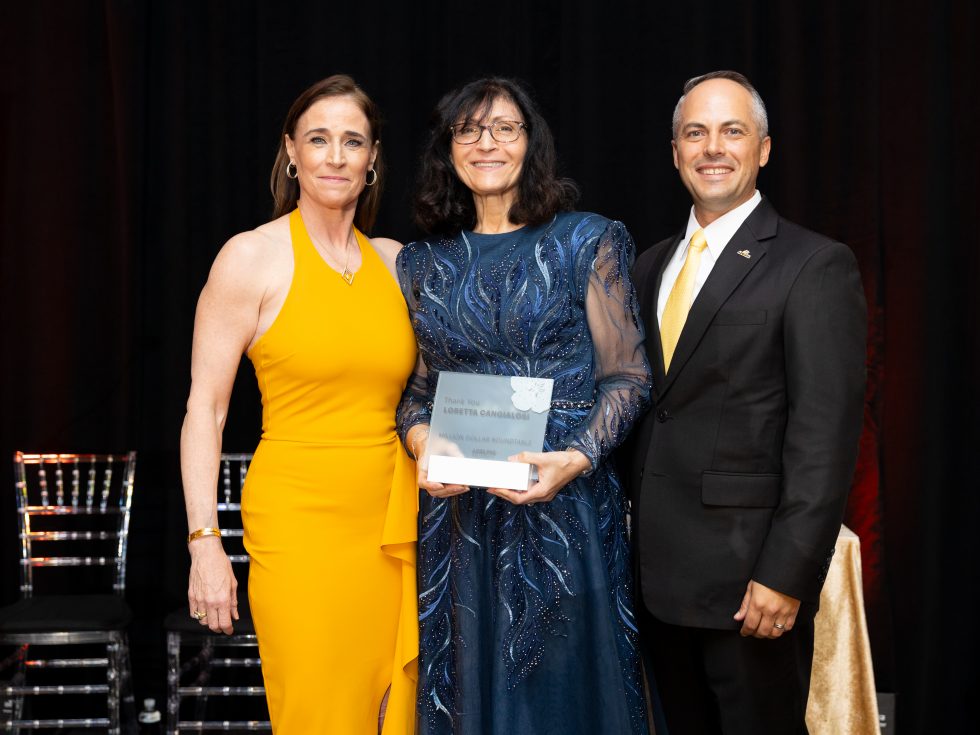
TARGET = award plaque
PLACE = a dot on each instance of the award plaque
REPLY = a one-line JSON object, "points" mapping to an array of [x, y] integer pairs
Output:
{"points": [[478, 421]]}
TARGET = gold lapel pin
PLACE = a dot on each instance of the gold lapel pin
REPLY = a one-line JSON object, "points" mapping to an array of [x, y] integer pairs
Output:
{"points": [[744, 253]]}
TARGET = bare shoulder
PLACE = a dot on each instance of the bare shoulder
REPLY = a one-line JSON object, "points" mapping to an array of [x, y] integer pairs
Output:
{"points": [[388, 250], [386, 247], [253, 261]]}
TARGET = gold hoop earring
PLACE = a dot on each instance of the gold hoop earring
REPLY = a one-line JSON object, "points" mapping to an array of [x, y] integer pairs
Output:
{"points": [[295, 172], [373, 181]]}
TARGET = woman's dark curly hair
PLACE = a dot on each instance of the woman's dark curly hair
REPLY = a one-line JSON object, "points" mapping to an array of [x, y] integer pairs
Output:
{"points": [[443, 204]]}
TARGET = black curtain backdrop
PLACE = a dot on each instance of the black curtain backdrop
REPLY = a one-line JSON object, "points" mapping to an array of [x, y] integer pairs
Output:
{"points": [[137, 137]]}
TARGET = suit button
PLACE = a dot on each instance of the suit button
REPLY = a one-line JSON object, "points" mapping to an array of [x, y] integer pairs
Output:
{"points": [[662, 415]]}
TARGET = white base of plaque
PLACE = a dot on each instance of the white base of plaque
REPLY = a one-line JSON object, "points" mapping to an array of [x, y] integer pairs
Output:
{"points": [[479, 472]]}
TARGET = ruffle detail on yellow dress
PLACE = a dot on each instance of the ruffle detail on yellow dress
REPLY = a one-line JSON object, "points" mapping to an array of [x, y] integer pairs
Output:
{"points": [[398, 540]]}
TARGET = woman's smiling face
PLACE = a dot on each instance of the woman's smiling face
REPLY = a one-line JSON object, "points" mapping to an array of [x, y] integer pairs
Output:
{"points": [[333, 151], [488, 167]]}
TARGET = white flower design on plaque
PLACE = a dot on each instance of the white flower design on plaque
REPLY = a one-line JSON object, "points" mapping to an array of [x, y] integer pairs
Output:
{"points": [[531, 394]]}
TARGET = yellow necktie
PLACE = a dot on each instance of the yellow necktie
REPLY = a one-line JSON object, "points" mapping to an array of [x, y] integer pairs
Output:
{"points": [[679, 301]]}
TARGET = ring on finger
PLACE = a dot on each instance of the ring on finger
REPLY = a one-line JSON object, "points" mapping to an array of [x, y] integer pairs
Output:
{"points": [[778, 626], [199, 614]]}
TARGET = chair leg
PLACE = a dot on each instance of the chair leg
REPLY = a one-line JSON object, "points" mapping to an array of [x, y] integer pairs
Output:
{"points": [[127, 703], [203, 679], [19, 680], [173, 682], [114, 675]]}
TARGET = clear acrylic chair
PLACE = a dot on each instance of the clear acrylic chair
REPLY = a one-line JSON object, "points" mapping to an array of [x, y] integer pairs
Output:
{"points": [[68, 630], [214, 681]]}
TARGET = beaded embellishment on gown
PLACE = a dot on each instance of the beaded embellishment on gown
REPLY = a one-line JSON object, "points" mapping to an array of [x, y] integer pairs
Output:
{"points": [[526, 612]]}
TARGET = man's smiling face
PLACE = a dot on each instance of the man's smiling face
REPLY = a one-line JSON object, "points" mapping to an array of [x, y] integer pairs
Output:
{"points": [[718, 149]]}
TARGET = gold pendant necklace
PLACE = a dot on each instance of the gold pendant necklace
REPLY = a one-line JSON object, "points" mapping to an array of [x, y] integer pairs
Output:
{"points": [[347, 274]]}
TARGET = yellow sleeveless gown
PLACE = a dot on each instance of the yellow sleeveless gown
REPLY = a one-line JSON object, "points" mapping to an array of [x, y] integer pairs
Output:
{"points": [[330, 503]]}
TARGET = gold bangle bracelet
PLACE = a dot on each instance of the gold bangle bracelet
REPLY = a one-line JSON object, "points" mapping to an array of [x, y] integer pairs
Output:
{"points": [[203, 532]]}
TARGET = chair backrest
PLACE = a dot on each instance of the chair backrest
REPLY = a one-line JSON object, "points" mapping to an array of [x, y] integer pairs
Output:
{"points": [[73, 511], [231, 480]]}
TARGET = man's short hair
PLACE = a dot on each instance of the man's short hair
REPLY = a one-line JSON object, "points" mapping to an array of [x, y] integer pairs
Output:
{"points": [[758, 106]]}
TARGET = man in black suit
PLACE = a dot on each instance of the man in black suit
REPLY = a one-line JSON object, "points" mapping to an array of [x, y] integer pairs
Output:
{"points": [[756, 335]]}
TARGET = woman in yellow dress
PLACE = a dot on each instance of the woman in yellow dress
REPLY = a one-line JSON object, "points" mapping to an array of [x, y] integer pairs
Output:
{"points": [[330, 500]]}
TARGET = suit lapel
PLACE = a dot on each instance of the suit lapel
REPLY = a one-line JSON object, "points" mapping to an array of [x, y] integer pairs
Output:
{"points": [[727, 273], [656, 350]]}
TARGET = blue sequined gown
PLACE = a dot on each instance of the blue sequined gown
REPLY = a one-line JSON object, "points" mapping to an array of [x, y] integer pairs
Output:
{"points": [[526, 612]]}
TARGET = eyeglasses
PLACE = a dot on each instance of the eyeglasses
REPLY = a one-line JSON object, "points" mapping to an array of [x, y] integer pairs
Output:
{"points": [[502, 131]]}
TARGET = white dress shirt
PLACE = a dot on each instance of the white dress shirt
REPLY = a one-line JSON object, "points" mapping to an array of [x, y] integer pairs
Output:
{"points": [[718, 233]]}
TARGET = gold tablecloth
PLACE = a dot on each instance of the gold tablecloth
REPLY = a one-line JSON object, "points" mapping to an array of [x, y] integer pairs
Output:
{"points": [[842, 688]]}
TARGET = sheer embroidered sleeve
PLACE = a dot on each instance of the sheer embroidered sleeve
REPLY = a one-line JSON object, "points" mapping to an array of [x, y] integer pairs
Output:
{"points": [[415, 406], [622, 373]]}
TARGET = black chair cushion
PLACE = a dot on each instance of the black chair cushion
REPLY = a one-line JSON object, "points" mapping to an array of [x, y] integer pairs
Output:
{"points": [[54, 613], [181, 621]]}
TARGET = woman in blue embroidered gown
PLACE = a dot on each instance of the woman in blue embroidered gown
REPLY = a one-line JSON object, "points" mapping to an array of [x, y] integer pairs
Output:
{"points": [[525, 599]]}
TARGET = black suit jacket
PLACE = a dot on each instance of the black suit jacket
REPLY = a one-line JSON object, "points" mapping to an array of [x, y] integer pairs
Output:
{"points": [[741, 470]]}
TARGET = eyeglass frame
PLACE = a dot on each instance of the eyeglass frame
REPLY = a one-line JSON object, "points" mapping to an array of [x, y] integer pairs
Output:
{"points": [[489, 128]]}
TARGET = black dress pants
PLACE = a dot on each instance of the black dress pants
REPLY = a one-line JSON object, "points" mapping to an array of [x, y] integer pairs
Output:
{"points": [[715, 682]]}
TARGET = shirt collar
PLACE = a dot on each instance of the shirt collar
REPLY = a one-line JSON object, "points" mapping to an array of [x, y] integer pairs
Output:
{"points": [[719, 232]]}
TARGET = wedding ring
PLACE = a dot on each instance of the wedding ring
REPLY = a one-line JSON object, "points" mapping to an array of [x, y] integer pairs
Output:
{"points": [[199, 614], [778, 626]]}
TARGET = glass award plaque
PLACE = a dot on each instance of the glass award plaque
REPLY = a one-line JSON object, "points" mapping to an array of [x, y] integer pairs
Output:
{"points": [[478, 421]]}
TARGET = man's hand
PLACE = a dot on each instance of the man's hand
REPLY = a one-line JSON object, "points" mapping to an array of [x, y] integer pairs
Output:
{"points": [[766, 613]]}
